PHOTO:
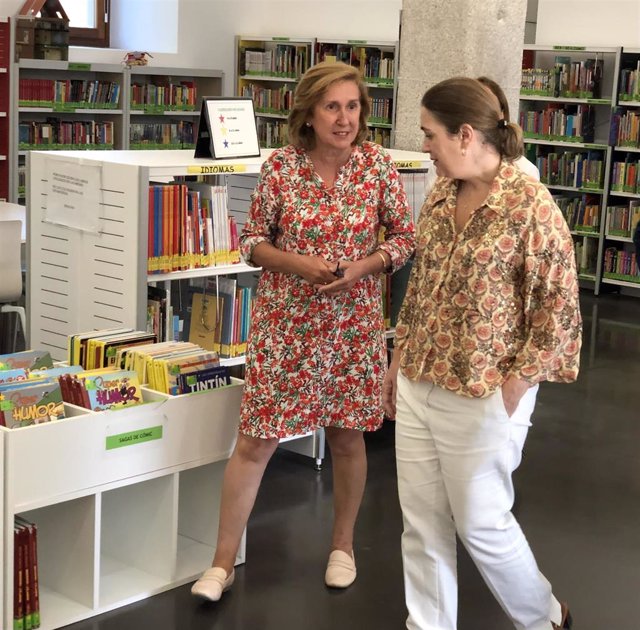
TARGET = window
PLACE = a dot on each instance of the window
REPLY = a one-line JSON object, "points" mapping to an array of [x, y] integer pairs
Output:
{"points": [[88, 22]]}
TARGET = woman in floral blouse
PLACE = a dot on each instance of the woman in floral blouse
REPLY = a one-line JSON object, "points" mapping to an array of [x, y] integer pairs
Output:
{"points": [[317, 355], [491, 310]]}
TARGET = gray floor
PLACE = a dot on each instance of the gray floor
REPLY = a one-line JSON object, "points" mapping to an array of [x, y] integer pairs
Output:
{"points": [[578, 502]]}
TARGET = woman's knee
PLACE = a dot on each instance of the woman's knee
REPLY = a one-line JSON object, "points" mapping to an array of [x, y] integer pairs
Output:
{"points": [[344, 441], [255, 450]]}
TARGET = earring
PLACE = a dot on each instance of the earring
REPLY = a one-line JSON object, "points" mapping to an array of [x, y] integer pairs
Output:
{"points": [[308, 124], [464, 152]]}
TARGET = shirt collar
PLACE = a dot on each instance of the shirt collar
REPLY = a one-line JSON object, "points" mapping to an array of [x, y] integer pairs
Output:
{"points": [[445, 188]]}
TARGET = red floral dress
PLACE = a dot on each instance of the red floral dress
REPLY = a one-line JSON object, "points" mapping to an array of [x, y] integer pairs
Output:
{"points": [[318, 360]]}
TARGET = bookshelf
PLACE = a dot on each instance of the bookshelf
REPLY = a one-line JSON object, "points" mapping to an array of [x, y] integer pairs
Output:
{"points": [[378, 62], [624, 192], [151, 108], [64, 105], [117, 525], [268, 70], [566, 99], [5, 48], [164, 105]]}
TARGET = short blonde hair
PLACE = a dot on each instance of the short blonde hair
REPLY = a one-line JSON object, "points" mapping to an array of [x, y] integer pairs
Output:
{"points": [[314, 84]]}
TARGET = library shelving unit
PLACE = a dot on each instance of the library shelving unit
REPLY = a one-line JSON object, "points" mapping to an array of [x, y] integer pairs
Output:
{"points": [[115, 525], [5, 53], [566, 100], [126, 501], [164, 105], [268, 70], [378, 62], [623, 208], [64, 105]]}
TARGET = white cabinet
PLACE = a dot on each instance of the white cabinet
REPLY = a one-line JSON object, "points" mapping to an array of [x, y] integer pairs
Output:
{"points": [[117, 524]]}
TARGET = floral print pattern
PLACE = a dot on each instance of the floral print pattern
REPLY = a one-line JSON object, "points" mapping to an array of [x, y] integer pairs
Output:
{"points": [[498, 298], [318, 360]]}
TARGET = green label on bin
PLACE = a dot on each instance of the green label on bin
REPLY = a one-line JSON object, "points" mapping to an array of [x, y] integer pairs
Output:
{"points": [[134, 437]]}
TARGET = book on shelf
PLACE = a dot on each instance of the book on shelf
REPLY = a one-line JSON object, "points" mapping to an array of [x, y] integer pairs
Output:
{"points": [[111, 389], [26, 587], [31, 403], [26, 360], [203, 380]]}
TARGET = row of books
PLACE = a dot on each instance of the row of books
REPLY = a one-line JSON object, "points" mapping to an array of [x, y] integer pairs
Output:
{"points": [[283, 60], [581, 213], [76, 92], [189, 227], [177, 368], [630, 83], [272, 133], [622, 219], [269, 100], [174, 134], [380, 136], [376, 65], [26, 586], [564, 122], [568, 79], [573, 169], [381, 109], [625, 128], [221, 317], [618, 262], [134, 357], [99, 349], [64, 132], [171, 95], [625, 176]]}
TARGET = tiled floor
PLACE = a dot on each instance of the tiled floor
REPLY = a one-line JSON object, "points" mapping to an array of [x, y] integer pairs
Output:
{"points": [[578, 502]]}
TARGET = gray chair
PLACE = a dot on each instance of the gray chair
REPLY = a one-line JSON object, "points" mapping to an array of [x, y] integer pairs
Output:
{"points": [[11, 274]]}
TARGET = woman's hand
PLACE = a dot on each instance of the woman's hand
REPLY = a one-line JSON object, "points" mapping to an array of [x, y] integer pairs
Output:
{"points": [[315, 270], [344, 275], [513, 389], [389, 390]]}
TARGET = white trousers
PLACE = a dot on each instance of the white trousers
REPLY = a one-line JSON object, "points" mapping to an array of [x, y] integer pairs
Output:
{"points": [[455, 457]]}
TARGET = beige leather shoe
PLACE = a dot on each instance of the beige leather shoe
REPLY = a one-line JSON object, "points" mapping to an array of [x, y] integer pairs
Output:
{"points": [[341, 570], [213, 583]]}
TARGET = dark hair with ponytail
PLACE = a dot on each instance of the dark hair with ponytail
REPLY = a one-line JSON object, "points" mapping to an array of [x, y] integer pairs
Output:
{"points": [[454, 102]]}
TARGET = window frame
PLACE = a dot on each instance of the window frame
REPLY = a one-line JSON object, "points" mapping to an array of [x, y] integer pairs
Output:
{"points": [[97, 37]]}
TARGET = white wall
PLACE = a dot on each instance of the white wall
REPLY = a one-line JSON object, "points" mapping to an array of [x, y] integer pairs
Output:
{"points": [[206, 28], [589, 22]]}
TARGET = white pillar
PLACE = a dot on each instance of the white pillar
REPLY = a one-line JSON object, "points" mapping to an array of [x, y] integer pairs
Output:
{"points": [[445, 38]]}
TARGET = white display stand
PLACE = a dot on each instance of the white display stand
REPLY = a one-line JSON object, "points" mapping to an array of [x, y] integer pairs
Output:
{"points": [[116, 526]]}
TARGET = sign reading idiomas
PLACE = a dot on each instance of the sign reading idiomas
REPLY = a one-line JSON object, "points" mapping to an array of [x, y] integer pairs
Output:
{"points": [[227, 129]]}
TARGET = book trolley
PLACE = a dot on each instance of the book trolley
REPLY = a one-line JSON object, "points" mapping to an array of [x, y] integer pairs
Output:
{"points": [[126, 501]]}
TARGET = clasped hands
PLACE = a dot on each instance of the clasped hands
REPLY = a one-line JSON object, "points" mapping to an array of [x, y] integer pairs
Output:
{"points": [[330, 277]]}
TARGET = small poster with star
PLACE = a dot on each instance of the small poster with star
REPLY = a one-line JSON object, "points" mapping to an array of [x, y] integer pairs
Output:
{"points": [[227, 129]]}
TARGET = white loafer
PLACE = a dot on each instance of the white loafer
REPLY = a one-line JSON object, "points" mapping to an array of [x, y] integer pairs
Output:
{"points": [[341, 570], [213, 583]]}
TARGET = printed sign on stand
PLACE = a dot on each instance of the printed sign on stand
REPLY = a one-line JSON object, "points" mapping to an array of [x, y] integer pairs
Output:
{"points": [[227, 129]]}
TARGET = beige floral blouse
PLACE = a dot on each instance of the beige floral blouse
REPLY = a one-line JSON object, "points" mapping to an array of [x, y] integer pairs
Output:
{"points": [[496, 299]]}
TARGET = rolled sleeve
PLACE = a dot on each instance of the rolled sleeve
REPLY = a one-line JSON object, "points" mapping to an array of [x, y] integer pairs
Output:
{"points": [[396, 217], [551, 351], [262, 220]]}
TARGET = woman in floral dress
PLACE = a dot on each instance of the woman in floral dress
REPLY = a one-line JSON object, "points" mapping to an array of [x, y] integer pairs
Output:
{"points": [[317, 355]]}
